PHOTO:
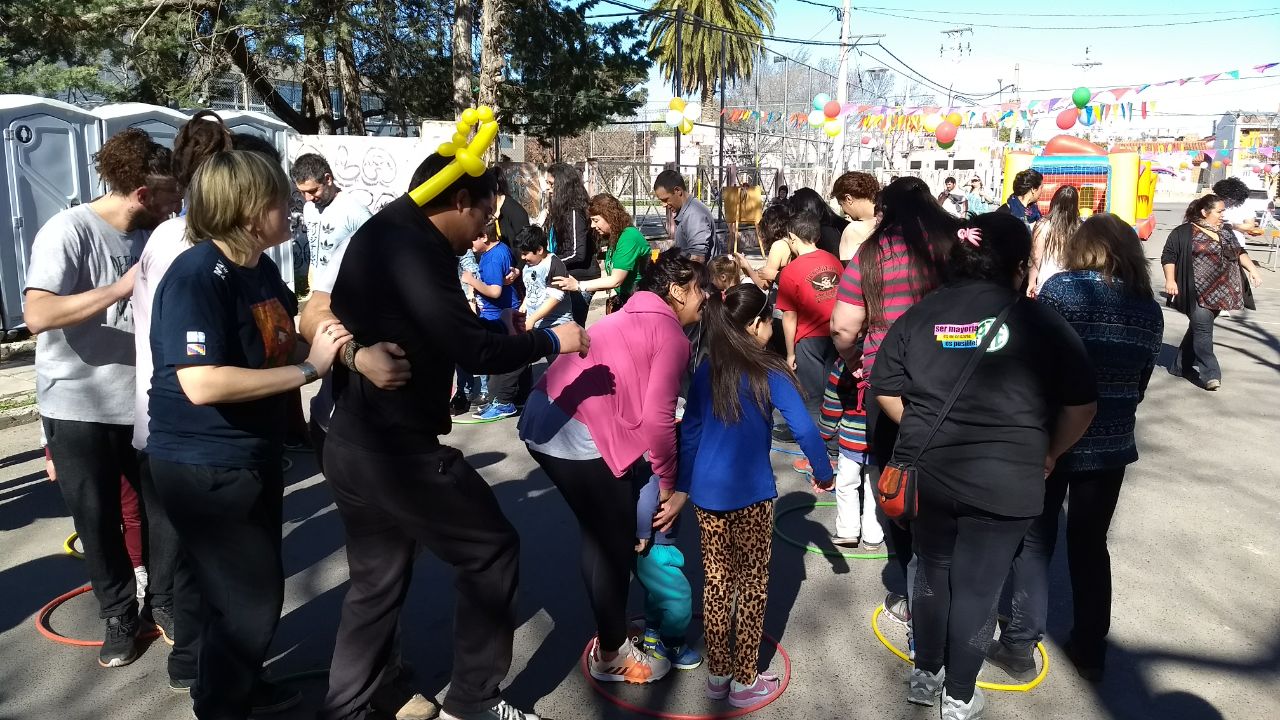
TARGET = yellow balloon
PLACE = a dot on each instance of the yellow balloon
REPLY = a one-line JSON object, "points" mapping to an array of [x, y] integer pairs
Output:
{"points": [[955, 119], [447, 149], [832, 129], [436, 184], [676, 104], [466, 157], [485, 112], [471, 164], [470, 116], [462, 128], [459, 139], [686, 126], [932, 121]]}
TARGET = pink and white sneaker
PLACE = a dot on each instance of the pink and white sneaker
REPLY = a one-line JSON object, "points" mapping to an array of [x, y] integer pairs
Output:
{"points": [[744, 696], [717, 686]]}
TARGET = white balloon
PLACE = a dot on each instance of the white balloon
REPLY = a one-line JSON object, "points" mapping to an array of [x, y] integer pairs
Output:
{"points": [[674, 117], [693, 111], [817, 118]]}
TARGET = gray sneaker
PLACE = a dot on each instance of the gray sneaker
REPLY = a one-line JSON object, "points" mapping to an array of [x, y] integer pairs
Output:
{"points": [[897, 608], [953, 709], [923, 688]]}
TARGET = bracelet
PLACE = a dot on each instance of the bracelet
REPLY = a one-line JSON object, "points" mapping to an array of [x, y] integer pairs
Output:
{"points": [[555, 340], [349, 355], [309, 372]]}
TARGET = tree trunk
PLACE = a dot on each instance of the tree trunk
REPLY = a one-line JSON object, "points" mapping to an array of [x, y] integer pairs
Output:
{"points": [[492, 50], [462, 63], [316, 102], [348, 75]]}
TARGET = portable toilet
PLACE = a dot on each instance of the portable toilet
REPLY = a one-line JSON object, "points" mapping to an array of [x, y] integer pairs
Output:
{"points": [[45, 168], [161, 123], [275, 132]]}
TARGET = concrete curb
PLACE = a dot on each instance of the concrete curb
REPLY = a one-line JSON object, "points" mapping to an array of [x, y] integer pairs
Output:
{"points": [[18, 350], [26, 410]]}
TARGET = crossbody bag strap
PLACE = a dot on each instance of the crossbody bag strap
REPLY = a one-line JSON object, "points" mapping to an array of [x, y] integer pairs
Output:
{"points": [[964, 377]]}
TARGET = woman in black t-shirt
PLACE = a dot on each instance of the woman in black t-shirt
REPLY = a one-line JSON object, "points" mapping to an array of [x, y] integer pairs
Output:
{"points": [[981, 478], [223, 344]]}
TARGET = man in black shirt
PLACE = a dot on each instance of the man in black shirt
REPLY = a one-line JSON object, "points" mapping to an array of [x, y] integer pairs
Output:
{"points": [[395, 485]]}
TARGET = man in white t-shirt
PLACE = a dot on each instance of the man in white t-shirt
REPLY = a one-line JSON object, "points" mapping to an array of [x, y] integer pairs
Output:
{"points": [[331, 216]]}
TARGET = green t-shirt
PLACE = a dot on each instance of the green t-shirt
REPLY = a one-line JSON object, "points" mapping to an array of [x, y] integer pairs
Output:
{"points": [[630, 247]]}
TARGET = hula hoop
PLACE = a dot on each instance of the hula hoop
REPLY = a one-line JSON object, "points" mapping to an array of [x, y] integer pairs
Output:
{"points": [[648, 712], [476, 421], [785, 451], [69, 546], [817, 550], [42, 622], [999, 687]]}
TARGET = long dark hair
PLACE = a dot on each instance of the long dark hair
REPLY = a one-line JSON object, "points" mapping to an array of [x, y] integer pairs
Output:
{"points": [[1000, 249], [567, 197], [1063, 219], [928, 231], [808, 199], [735, 355], [1111, 246], [204, 135], [773, 226], [671, 268]]}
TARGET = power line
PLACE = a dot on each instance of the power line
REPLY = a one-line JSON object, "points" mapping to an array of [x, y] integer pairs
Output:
{"points": [[1129, 26], [1020, 13], [758, 38]]}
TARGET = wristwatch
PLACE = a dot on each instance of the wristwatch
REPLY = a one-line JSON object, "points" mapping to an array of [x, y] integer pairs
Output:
{"points": [[309, 373], [349, 355]]}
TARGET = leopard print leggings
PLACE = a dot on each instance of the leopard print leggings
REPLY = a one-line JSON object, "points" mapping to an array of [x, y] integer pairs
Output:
{"points": [[736, 546]]}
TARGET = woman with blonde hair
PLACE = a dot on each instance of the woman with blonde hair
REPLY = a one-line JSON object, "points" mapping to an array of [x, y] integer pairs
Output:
{"points": [[226, 354], [1050, 236], [1104, 293]]}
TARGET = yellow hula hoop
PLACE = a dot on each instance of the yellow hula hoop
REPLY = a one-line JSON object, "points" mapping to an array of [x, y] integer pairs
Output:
{"points": [[69, 546], [1000, 687]]}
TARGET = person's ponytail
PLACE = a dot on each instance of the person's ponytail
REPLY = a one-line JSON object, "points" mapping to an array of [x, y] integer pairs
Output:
{"points": [[734, 354]]}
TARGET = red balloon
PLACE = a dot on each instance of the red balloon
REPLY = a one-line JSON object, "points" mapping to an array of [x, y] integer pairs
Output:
{"points": [[831, 109], [1226, 161], [946, 133], [866, 139], [1067, 118]]}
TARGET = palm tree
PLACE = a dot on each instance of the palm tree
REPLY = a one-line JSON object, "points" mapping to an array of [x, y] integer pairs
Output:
{"points": [[702, 56]]}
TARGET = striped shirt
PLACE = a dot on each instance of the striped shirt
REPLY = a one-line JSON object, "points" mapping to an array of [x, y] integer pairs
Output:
{"points": [[903, 286], [849, 421]]}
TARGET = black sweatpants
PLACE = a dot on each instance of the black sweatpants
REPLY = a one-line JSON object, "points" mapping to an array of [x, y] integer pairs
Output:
{"points": [[964, 557], [815, 356], [882, 437], [605, 507], [91, 458], [388, 504], [1094, 495], [228, 521], [171, 583]]}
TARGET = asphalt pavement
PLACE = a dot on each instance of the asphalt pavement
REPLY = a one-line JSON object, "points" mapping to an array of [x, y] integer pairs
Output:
{"points": [[1195, 556]]}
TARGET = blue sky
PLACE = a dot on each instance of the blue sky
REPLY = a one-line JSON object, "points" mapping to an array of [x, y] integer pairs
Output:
{"points": [[1204, 40]]}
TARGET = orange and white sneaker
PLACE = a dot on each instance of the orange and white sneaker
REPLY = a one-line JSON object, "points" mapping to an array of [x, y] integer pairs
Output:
{"points": [[632, 665]]}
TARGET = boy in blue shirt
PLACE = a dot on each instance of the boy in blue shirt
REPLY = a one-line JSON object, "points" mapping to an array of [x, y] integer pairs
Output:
{"points": [[668, 599], [498, 301]]}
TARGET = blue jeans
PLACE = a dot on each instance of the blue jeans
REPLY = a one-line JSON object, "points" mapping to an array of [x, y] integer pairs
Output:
{"points": [[1196, 350]]}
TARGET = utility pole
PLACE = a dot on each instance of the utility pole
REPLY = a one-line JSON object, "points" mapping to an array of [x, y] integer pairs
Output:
{"points": [[786, 98], [842, 89], [724, 75], [678, 75]]}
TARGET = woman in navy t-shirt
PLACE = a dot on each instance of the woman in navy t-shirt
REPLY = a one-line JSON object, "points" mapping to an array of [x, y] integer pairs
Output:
{"points": [[225, 353]]}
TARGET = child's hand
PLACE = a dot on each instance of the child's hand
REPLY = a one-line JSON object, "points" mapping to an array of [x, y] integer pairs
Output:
{"points": [[641, 544], [669, 511], [822, 489]]}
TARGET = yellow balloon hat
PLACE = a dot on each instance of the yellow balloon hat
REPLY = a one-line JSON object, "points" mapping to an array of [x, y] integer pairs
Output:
{"points": [[467, 157]]}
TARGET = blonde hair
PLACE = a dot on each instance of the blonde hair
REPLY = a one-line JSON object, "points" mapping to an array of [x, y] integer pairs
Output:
{"points": [[230, 190]]}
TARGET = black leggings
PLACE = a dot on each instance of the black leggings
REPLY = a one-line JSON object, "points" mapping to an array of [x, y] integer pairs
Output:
{"points": [[964, 556], [1093, 502], [606, 510]]}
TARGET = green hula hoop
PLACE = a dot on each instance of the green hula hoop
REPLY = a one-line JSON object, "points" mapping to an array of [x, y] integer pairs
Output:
{"points": [[817, 550]]}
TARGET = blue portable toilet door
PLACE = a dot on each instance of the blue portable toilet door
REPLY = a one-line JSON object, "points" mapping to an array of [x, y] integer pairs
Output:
{"points": [[48, 172]]}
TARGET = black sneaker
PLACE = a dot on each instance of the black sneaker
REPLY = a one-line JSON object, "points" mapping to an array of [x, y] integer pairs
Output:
{"points": [[459, 404], [1019, 663], [163, 618], [782, 433], [181, 686], [501, 711], [269, 698], [120, 647]]}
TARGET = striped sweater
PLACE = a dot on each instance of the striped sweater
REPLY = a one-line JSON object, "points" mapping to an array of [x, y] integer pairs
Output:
{"points": [[847, 420]]}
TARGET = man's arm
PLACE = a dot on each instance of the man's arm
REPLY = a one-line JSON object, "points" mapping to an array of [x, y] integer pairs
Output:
{"points": [[383, 363], [50, 311]]}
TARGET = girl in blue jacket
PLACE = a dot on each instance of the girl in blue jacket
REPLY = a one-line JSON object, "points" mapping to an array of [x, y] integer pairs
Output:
{"points": [[725, 470]]}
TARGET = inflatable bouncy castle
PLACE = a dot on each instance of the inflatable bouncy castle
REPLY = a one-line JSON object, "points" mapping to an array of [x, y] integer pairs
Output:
{"points": [[1119, 182]]}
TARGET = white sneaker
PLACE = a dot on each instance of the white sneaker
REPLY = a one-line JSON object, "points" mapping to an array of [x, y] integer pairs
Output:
{"points": [[632, 665], [953, 709], [141, 580], [923, 688]]}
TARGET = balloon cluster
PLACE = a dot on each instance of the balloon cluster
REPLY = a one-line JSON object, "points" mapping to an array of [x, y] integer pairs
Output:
{"points": [[826, 115], [944, 127], [683, 115], [1067, 118], [467, 157]]}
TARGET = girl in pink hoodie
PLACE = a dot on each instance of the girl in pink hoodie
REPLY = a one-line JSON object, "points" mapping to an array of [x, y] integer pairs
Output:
{"points": [[590, 421]]}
